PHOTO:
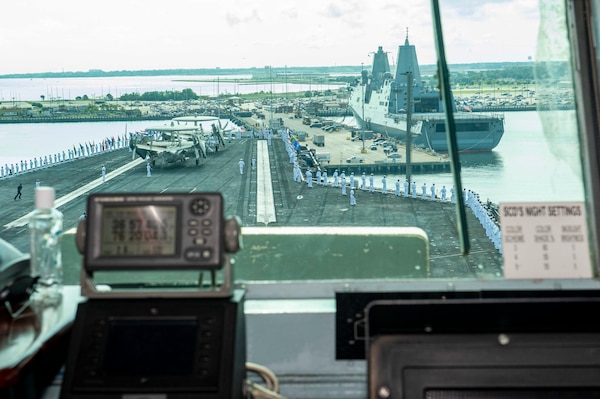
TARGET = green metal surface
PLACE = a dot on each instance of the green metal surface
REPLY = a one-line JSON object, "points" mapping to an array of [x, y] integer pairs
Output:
{"points": [[305, 253], [331, 253]]}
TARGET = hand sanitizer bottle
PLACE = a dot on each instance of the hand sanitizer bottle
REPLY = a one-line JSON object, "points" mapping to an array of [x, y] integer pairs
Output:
{"points": [[45, 230]]}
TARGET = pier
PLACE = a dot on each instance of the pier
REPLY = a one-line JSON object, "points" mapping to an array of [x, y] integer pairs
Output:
{"points": [[293, 204], [340, 146]]}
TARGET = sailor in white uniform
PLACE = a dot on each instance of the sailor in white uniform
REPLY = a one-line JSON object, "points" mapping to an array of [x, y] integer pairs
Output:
{"points": [[241, 163], [296, 173]]}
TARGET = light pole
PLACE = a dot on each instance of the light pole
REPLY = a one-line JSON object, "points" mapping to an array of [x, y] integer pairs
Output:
{"points": [[286, 87], [271, 78], [363, 110], [409, 102]]}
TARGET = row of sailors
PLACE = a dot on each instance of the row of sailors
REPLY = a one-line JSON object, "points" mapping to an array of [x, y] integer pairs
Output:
{"points": [[70, 155], [339, 180], [262, 134], [485, 217]]}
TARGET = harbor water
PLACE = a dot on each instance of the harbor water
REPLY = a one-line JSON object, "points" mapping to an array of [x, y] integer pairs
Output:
{"points": [[521, 168]]}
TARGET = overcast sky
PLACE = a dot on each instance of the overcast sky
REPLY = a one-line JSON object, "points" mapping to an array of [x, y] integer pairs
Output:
{"points": [[78, 35]]}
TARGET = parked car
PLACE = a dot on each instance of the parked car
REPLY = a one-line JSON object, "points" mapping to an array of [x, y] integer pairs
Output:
{"points": [[373, 147], [355, 160], [316, 124], [307, 160]]}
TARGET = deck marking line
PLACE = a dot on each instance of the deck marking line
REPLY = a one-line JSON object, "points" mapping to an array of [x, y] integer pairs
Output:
{"points": [[22, 221], [265, 203]]}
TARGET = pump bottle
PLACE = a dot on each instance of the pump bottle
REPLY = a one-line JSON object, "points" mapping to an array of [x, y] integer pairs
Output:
{"points": [[45, 230]]}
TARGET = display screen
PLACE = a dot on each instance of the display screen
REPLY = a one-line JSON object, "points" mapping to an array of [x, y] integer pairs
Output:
{"points": [[151, 347], [141, 230]]}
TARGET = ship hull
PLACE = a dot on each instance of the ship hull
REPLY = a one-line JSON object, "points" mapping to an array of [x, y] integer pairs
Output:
{"points": [[475, 133]]}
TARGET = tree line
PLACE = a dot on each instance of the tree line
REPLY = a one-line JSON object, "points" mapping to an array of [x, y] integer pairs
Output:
{"points": [[169, 95]]}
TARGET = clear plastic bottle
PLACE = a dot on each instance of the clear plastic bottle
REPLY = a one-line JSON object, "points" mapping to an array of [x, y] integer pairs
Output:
{"points": [[45, 231]]}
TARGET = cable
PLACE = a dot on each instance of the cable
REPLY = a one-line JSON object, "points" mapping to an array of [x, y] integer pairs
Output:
{"points": [[267, 375], [259, 392]]}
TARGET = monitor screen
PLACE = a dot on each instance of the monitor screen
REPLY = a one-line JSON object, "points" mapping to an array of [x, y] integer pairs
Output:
{"points": [[150, 347], [141, 230], [484, 348], [175, 347]]}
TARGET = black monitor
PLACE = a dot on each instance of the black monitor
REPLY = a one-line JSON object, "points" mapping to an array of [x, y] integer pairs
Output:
{"points": [[484, 348], [170, 348]]}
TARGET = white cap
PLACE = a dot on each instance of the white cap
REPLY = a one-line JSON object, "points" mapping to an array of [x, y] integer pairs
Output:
{"points": [[44, 197]]}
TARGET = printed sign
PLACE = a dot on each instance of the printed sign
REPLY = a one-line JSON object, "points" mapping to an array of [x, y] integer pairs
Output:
{"points": [[545, 240]]}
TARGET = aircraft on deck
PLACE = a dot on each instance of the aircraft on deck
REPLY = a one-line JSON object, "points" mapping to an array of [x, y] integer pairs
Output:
{"points": [[164, 145], [201, 121], [184, 137]]}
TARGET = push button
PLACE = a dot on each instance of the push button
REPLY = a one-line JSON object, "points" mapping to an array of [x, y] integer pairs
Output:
{"points": [[198, 254], [200, 206]]}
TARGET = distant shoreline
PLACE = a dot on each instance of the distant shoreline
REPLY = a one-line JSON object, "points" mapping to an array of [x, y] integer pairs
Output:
{"points": [[258, 71]]}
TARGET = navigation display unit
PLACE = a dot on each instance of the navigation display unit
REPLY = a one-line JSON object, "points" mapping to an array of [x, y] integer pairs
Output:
{"points": [[138, 231], [175, 348]]}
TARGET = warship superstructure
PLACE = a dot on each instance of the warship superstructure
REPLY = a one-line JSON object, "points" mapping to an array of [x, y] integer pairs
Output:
{"points": [[382, 101]]}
